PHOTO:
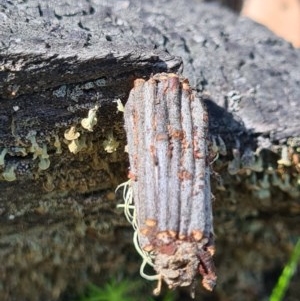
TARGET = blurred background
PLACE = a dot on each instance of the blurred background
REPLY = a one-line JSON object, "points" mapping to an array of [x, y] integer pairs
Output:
{"points": [[280, 16]]}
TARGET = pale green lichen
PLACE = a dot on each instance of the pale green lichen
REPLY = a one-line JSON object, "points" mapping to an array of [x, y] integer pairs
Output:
{"points": [[87, 86], [285, 184], [218, 148], [34, 148], [258, 164], [49, 185], [274, 178], [235, 164], [61, 91], [44, 159], [293, 142], [57, 145], [284, 160], [120, 106], [82, 142], [264, 192], [2, 156], [222, 146], [74, 146], [77, 145], [101, 82], [251, 182], [110, 144], [89, 122], [72, 135], [215, 148], [74, 93], [9, 173], [20, 150], [44, 164]]}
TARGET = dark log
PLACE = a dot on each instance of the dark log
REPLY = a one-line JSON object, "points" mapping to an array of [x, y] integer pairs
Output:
{"points": [[59, 225]]}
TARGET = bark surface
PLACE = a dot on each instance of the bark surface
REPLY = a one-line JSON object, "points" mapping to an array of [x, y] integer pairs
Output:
{"points": [[58, 60]]}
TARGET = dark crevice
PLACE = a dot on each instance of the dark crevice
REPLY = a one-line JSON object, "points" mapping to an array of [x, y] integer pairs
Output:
{"points": [[82, 26], [58, 17], [40, 11]]}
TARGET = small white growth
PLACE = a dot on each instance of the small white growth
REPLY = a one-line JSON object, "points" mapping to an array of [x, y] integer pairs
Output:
{"points": [[130, 214], [35, 149], [11, 217], [120, 106], [111, 144], [264, 191], [252, 182], [215, 148], [74, 146], [21, 150], [285, 185], [72, 135], [44, 154], [49, 185], [2, 156], [284, 160], [235, 164], [234, 97], [274, 179], [293, 141], [265, 183], [57, 145], [44, 159], [252, 161], [89, 122], [258, 164], [218, 148], [9, 173], [222, 146]]}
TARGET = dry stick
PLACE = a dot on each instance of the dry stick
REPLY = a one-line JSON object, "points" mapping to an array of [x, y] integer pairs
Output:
{"points": [[187, 164], [162, 154], [140, 150], [166, 127], [175, 134], [150, 153], [199, 198]]}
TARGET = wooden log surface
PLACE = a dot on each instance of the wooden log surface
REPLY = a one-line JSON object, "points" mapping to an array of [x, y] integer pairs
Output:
{"points": [[59, 225]]}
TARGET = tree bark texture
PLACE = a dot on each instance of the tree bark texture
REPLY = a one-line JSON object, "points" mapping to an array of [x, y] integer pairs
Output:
{"points": [[65, 61]]}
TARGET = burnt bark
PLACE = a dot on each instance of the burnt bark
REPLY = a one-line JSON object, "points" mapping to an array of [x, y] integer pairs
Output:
{"points": [[59, 225]]}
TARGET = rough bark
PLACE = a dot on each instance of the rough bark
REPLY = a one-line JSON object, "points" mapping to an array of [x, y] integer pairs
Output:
{"points": [[59, 226]]}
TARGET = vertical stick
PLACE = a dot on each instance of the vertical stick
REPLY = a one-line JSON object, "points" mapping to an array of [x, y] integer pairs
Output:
{"points": [[166, 127]]}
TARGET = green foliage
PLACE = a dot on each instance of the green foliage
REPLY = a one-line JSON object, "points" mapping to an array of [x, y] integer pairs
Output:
{"points": [[286, 275], [119, 291], [111, 291], [169, 296]]}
